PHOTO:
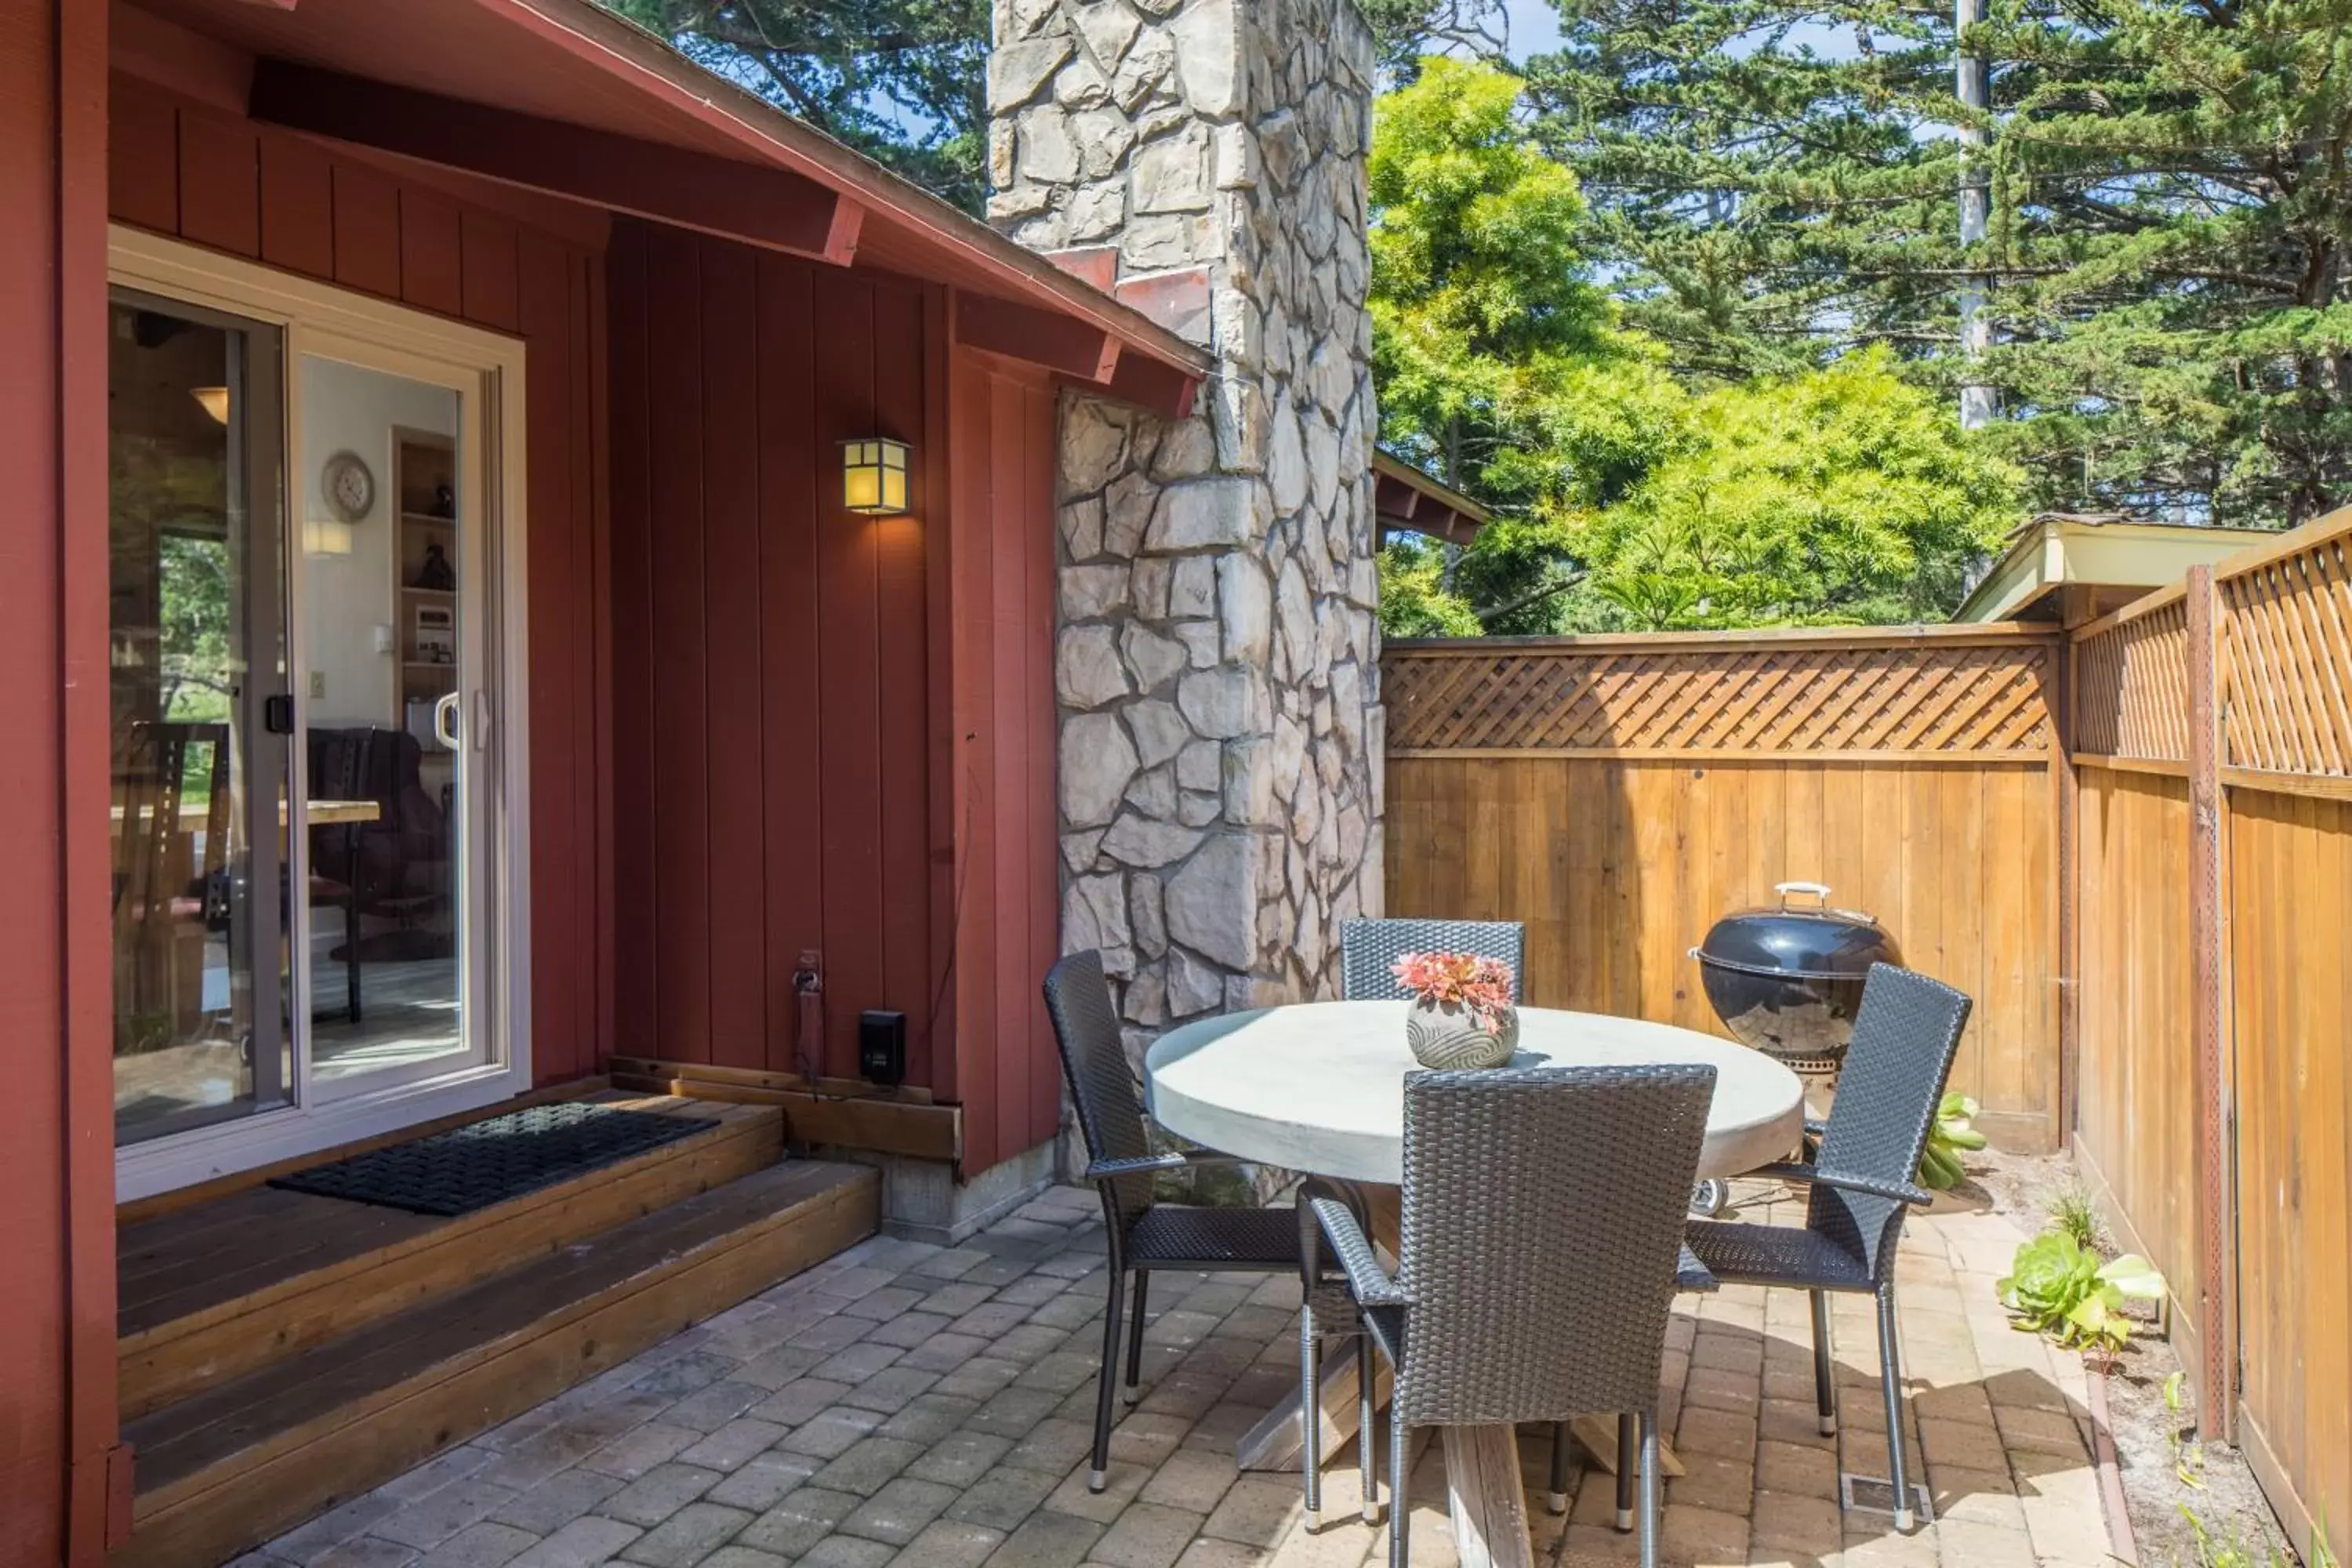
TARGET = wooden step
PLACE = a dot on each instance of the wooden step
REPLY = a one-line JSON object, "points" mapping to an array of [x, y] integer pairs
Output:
{"points": [[212, 1293], [239, 1464]]}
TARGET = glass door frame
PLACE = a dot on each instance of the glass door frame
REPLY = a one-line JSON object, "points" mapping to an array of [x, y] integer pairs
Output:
{"points": [[486, 370]]}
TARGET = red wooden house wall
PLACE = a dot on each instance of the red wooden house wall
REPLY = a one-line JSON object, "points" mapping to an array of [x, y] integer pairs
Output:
{"points": [[1003, 449], [771, 655], [213, 178], [832, 732], [56, 1152]]}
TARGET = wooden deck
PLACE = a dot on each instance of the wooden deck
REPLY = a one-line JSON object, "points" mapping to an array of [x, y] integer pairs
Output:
{"points": [[282, 1351]]}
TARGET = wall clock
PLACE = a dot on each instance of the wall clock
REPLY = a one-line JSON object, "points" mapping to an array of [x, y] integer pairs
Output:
{"points": [[350, 487]]}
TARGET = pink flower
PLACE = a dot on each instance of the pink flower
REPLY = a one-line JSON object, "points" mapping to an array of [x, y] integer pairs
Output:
{"points": [[1481, 986]]}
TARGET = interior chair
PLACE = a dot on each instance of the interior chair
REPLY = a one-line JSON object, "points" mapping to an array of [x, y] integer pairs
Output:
{"points": [[1147, 1235], [395, 867], [1539, 1256], [1369, 951], [1862, 1176]]}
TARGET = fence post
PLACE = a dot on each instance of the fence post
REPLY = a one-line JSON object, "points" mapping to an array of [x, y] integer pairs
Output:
{"points": [[2065, 800], [2217, 1402]]}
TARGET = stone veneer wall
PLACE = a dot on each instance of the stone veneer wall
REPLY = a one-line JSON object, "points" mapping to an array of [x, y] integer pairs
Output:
{"points": [[1217, 662]]}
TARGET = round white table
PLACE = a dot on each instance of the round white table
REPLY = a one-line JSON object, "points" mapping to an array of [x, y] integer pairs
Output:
{"points": [[1320, 1088]]}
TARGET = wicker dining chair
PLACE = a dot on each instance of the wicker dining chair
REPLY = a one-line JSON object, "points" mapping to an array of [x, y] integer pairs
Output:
{"points": [[1145, 1235], [1862, 1176], [1538, 1257], [1369, 951]]}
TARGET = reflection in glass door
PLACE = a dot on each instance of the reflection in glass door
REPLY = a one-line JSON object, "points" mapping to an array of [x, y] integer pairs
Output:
{"points": [[197, 657], [303, 758], [384, 636]]}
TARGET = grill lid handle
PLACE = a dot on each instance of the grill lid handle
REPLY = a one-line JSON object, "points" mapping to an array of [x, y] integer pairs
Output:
{"points": [[1819, 892]]}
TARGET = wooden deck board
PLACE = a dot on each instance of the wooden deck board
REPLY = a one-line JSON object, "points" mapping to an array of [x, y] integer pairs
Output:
{"points": [[212, 1293], [230, 1467]]}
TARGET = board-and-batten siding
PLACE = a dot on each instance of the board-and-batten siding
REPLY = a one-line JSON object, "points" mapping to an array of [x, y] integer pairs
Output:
{"points": [[56, 1161], [771, 675], [217, 181], [1006, 899], [831, 732]]}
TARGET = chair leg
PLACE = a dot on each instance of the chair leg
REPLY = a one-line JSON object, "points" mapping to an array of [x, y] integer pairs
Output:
{"points": [[1824, 1384], [1135, 1340], [1890, 1373], [1649, 1422], [1558, 1500], [1367, 1430], [1627, 1440], [1399, 1512], [1099, 1475], [352, 952], [1310, 1414]]}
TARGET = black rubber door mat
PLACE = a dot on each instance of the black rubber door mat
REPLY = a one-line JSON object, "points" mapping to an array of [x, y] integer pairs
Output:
{"points": [[485, 1162]]}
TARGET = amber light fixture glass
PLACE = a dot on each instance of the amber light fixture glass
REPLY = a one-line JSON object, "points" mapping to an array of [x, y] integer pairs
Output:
{"points": [[874, 475]]}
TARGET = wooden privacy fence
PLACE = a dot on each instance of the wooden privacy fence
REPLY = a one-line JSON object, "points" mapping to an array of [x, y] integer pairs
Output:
{"points": [[1619, 794], [2214, 722]]}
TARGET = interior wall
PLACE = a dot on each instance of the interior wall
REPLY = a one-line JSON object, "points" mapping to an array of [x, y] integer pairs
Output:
{"points": [[348, 408], [195, 170]]}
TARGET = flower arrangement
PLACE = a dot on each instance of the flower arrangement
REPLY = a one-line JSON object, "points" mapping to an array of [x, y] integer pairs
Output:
{"points": [[1479, 986]]}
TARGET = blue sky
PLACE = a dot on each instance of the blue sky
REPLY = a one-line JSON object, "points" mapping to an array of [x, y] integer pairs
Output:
{"points": [[1535, 27]]}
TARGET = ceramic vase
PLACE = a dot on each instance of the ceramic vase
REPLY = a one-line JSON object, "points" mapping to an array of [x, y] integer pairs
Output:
{"points": [[1445, 1035]]}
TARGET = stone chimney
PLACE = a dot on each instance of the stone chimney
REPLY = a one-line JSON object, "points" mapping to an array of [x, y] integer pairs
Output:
{"points": [[1217, 658]]}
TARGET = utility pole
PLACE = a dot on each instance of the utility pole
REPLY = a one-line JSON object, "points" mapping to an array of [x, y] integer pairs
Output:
{"points": [[1972, 75]]}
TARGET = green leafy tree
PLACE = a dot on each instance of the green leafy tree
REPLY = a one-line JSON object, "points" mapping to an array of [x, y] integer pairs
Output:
{"points": [[1499, 362], [1628, 494], [1837, 495]]}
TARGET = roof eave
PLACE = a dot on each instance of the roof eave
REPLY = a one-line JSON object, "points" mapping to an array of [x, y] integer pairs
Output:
{"points": [[627, 51]]}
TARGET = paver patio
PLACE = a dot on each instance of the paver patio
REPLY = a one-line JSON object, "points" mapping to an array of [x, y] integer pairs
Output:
{"points": [[924, 1407]]}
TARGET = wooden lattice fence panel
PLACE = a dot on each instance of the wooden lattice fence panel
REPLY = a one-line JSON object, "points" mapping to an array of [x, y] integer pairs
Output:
{"points": [[2131, 686], [2287, 650], [1865, 695]]}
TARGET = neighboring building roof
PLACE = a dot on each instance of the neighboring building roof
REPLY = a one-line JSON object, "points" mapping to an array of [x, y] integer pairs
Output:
{"points": [[1405, 499], [2072, 567], [373, 72]]}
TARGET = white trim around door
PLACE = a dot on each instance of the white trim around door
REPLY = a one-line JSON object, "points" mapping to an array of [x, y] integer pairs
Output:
{"points": [[487, 370]]}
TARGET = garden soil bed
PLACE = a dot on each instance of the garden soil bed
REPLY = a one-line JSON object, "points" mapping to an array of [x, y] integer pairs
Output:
{"points": [[2154, 1444]]}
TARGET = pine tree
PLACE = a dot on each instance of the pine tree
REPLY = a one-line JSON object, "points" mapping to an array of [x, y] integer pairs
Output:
{"points": [[1773, 184]]}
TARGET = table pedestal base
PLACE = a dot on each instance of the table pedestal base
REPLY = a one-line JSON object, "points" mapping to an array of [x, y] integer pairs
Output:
{"points": [[1486, 1497]]}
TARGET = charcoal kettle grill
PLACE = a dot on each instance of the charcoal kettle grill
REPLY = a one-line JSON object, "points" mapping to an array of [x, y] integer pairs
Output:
{"points": [[1786, 981]]}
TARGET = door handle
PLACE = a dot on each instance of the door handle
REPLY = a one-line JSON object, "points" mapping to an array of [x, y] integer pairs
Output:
{"points": [[481, 721], [444, 722]]}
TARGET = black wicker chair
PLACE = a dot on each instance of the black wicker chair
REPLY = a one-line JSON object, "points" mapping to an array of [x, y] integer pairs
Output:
{"points": [[1541, 1249], [1862, 1175], [1145, 1235], [1369, 951]]}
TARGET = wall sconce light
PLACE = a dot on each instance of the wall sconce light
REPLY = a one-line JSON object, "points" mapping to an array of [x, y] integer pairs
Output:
{"points": [[325, 536], [214, 400], [874, 475]]}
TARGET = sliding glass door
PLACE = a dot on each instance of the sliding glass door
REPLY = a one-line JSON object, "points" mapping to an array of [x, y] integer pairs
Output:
{"points": [[198, 663], [306, 664], [390, 598]]}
